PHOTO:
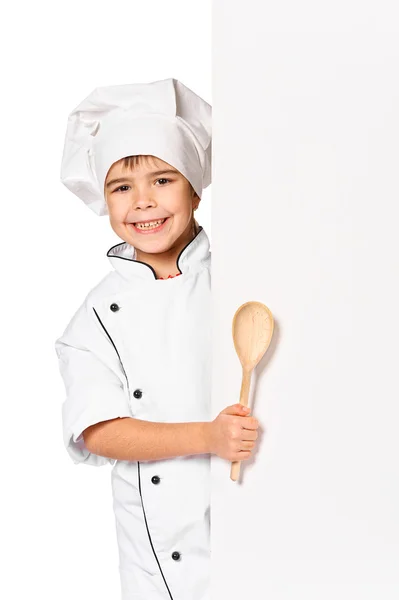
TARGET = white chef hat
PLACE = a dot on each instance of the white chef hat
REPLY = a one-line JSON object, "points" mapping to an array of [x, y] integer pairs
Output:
{"points": [[163, 118]]}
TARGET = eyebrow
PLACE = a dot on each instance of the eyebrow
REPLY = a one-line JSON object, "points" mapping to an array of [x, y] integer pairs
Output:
{"points": [[152, 174]]}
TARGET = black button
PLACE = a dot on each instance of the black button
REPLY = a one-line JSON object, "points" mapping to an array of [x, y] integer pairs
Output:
{"points": [[137, 393], [176, 555], [155, 479], [114, 307]]}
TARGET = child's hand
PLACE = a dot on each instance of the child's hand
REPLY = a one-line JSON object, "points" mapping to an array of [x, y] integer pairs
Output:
{"points": [[233, 433]]}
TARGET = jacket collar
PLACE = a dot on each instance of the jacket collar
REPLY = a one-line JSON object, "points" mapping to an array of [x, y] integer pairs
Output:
{"points": [[197, 251]]}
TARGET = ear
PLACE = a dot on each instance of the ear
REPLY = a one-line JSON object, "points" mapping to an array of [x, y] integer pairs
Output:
{"points": [[196, 199]]}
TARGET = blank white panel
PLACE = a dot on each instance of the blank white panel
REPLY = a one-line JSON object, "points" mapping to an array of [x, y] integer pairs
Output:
{"points": [[305, 220]]}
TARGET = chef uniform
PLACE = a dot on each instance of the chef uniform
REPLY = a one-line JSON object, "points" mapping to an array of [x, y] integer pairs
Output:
{"points": [[139, 346]]}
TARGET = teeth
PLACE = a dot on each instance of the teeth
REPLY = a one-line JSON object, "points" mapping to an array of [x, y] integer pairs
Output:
{"points": [[149, 225]]}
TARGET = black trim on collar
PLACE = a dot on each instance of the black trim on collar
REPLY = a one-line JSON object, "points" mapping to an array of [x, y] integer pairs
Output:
{"points": [[146, 264]]}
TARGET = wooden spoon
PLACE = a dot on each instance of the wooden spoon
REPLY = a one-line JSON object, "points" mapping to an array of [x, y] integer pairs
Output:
{"points": [[253, 326]]}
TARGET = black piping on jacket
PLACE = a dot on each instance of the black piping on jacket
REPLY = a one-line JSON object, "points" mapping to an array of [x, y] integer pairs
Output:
{"points": [[146, 264], [138, 463]]}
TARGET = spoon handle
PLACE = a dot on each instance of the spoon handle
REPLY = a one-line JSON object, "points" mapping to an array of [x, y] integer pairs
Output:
{"points": [[244, 395]]}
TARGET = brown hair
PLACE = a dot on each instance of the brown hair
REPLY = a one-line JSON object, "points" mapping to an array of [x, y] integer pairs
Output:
{"points": [[130, 162]]}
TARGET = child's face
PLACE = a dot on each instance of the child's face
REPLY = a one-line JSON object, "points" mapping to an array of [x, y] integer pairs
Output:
{"points": [[153, 190]]}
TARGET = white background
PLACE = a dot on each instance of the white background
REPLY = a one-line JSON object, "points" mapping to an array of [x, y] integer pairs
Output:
{"points": [[306, 154], [305, 219], [57, 523]]}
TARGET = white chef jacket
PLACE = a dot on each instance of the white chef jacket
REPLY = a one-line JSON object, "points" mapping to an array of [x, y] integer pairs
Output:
{"points": [[141, 347]]}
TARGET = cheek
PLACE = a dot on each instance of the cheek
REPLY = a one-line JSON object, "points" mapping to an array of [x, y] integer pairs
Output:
{"points": [[177, 202], [117, 210]]}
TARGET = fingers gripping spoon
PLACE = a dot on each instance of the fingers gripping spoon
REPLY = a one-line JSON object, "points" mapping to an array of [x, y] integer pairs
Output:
{"points": [[252, 333]]}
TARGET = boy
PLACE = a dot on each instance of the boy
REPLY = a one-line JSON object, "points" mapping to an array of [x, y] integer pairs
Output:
{"points": [[136, 356]]}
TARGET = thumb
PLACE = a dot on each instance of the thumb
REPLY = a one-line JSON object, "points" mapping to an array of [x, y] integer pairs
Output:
{"points": [[236, 409]]}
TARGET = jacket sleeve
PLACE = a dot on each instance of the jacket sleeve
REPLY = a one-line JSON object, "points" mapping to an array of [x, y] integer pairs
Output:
{"points": [[95, 383]]}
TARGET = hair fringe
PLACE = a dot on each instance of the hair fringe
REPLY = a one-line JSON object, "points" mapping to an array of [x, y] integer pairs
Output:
{"points": [[130, 162]]}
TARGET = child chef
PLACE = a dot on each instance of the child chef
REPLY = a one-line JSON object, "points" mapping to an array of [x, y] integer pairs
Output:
{"points": [[136, 356]]}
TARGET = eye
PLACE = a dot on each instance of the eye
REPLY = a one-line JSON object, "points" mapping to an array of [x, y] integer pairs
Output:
{"points": [[163, 179], [120, 188]]}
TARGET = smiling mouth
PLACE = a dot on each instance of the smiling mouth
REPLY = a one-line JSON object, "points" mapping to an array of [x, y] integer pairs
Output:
{"points": [[149, 224], [153, 225]]}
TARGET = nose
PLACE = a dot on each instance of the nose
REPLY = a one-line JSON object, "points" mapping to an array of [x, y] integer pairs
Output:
{"points": [[142, 198]]}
